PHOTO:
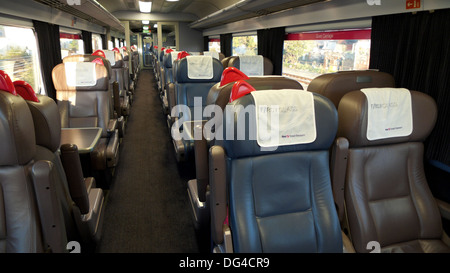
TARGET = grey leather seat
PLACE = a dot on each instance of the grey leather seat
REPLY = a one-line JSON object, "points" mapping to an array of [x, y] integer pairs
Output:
{"points": [[187, 91], [334, 86], [273, 200], [117, 67], [219, 95], [89, 106], [386, 193], [28, 197], [81, 202], [114, 92]]}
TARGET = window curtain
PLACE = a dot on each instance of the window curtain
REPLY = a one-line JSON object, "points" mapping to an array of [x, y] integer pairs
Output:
{"points": [[87, 40], [226, 41], [415, 49], [50, 53], [270, 45], [206, 43], [104, 43]]}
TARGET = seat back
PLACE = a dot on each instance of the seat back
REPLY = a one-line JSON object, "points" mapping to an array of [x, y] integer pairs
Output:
{"points": [[117, 65], [20, 229], [81, 103], [386, 195], [335, 85], [252, 65], [279, 198], [187, 88], [219, 94]]}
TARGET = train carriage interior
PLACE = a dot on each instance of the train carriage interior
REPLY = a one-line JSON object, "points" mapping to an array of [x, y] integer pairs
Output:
{"points": [[225, 126]]}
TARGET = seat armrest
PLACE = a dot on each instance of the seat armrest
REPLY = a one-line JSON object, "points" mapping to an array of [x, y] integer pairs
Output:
{"points": [[112, 150], [201, 162], [338, 167], [112, 125], [218, 200], [49, 207], [444, 209], [70, 160]]}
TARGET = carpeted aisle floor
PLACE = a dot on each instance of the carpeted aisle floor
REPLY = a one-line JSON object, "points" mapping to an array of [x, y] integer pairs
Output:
{"points": [[147, 207]]}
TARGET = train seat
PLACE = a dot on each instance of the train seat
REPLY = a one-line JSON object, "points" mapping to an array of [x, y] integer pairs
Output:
{"points": [[126, 73], [81, 201], [386, 194], [114, 105], [169, 58], [84, 101], [335, 85], [195, 75], [117, 66], [273, 193], [25, 203], [252, 65], [220, 95]]}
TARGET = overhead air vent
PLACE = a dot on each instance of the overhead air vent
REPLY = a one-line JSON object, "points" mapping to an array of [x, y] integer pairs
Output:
{"points": [[89, 10]]}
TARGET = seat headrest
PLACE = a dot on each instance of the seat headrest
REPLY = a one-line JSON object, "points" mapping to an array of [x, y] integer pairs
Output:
{"points": [[98, 81], [335, 85], [25, 90], [169, 58], [182, 72], [114, 58], [220, 93], [6, 84], [47, 122], [354, 119], [232, 74], [307, 122], [89, 58], [17, 130], [251, 65]]}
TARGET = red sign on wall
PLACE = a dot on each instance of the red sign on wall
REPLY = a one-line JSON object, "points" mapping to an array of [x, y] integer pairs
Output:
{"points": [[412, 4]]}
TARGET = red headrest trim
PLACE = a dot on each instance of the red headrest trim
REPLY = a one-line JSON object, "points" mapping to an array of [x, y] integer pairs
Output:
{"points": [[100, 53], [25, 90], [169, 50], [240, 89], [163, 48], [232, 74], [98, 61], [182, 54], [6, 83], [116, 50], [124, 48]]}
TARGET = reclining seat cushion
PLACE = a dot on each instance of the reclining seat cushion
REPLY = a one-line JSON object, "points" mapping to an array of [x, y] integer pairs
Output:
{"points": [[20, 230], [281, 200], [387, 195]]}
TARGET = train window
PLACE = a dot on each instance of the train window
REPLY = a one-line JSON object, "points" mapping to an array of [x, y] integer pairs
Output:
{"points": [[245, 45], [19, 56], [309, 54], [214, 45], [71, 44], [96, 41]]}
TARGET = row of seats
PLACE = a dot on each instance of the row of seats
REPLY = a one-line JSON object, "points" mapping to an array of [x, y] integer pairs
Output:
{"points": [[47, 202], [177, 88], [97, 91], [52, 201], [299, 198]]}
